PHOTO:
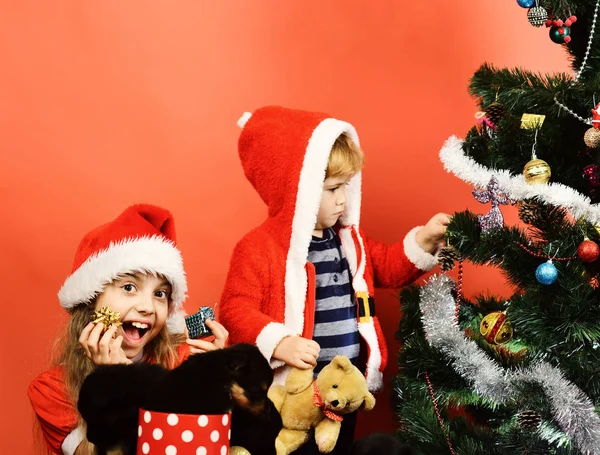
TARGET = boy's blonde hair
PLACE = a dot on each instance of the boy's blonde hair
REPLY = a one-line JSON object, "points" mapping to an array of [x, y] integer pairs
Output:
{"points": [[346, 158]]}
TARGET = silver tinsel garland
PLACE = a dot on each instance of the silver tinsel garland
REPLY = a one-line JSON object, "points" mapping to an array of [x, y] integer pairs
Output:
{"points": [[572, 409]]}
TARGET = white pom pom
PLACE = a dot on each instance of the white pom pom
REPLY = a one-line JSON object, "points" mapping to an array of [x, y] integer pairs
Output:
{"points": [[176, 322], [243, 119]]}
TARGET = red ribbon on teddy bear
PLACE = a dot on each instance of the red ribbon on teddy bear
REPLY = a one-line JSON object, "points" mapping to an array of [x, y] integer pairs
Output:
{"points": [[319, 403]]}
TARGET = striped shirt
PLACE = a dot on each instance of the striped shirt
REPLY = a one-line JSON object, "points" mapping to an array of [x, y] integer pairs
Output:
{"points": [[336, 327]]}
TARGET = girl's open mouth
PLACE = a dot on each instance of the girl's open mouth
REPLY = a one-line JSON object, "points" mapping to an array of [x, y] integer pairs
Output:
{"points": [[134, 331]]}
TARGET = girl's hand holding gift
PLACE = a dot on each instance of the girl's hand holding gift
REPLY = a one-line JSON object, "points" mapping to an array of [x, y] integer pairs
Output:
{"points": [[216, 341], [101, 347]]}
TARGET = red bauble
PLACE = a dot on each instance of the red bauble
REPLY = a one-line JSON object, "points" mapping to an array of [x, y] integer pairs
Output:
{"points": [[588, 251], [596, 116]]}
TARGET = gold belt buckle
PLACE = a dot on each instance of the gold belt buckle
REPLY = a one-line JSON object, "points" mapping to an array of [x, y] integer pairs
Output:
{"points": [[362, 298]]}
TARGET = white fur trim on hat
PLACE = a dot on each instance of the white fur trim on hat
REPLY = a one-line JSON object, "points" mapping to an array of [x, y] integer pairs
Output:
{"points": [[308, 200], [417, 255], [244, 119], [345, 235], [349, 245], [155, 255], [176, 321]]}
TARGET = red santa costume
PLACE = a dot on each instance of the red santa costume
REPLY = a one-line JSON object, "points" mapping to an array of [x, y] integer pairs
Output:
{"points": [[141, 239], [270, 290]]}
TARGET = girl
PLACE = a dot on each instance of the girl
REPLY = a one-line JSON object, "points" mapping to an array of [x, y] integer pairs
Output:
{"points": [[132, 266]]}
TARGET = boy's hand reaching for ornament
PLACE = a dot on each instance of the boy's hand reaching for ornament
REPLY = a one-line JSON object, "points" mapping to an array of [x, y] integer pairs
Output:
{"points": [[432, 234], [102, 349], [297, 352]]}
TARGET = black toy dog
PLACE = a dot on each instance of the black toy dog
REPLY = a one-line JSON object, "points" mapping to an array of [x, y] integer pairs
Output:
{"points": [[380, 444], [234, 379]]}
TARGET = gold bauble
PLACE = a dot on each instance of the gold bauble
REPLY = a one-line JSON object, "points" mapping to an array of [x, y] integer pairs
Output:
{"points": [[592, 138], [237, 450], [496, 328], [537, 172]]}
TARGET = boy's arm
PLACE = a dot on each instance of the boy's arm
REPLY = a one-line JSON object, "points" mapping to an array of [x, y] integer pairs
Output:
{"points": [[243, 297], [54, 410], [398, 264]]}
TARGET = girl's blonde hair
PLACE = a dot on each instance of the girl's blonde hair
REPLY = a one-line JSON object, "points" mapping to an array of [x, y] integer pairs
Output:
{"points": [[346, 157]]}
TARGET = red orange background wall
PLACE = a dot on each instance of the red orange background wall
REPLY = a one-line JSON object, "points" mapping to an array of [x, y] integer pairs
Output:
{"points": [[107, 103]]}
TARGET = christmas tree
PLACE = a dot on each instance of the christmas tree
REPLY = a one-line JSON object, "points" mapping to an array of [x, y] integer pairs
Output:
{"points": [[518, 375]]}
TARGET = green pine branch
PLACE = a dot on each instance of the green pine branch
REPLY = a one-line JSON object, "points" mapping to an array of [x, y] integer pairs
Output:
{"points": [[557, 323]]}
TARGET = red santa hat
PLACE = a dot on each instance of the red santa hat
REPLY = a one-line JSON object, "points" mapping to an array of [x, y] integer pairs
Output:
{"points": [[139, 240]]}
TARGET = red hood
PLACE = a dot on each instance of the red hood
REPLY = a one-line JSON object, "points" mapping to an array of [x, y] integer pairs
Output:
{"points": [[284, 153]]}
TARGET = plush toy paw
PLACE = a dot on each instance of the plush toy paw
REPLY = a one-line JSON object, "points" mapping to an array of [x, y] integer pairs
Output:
{"points": [[326, 443], [326, 434], [280, 448]]}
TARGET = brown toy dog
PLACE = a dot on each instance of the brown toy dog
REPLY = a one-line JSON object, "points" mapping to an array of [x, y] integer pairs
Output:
{"points": [[304, 404]]}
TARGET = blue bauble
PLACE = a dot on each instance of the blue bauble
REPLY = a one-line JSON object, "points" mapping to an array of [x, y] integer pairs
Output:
{"points": [[526, 3], [546, 273]]}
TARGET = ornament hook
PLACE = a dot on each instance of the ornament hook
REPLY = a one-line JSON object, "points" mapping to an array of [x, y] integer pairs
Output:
{"points": [[534, 146]]}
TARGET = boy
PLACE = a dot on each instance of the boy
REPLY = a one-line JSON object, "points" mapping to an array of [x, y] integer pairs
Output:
{"points": [[300, 285]]}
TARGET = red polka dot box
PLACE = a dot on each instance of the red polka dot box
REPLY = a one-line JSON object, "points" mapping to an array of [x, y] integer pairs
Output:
{"points": [[161, 433]]}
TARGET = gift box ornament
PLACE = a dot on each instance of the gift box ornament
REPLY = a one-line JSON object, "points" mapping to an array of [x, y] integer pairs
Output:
{"points": [[196, 323], [183, 434]]}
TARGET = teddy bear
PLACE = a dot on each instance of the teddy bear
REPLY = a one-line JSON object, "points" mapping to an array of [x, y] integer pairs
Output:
{"points": [[235, 379], [306, 404]]}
